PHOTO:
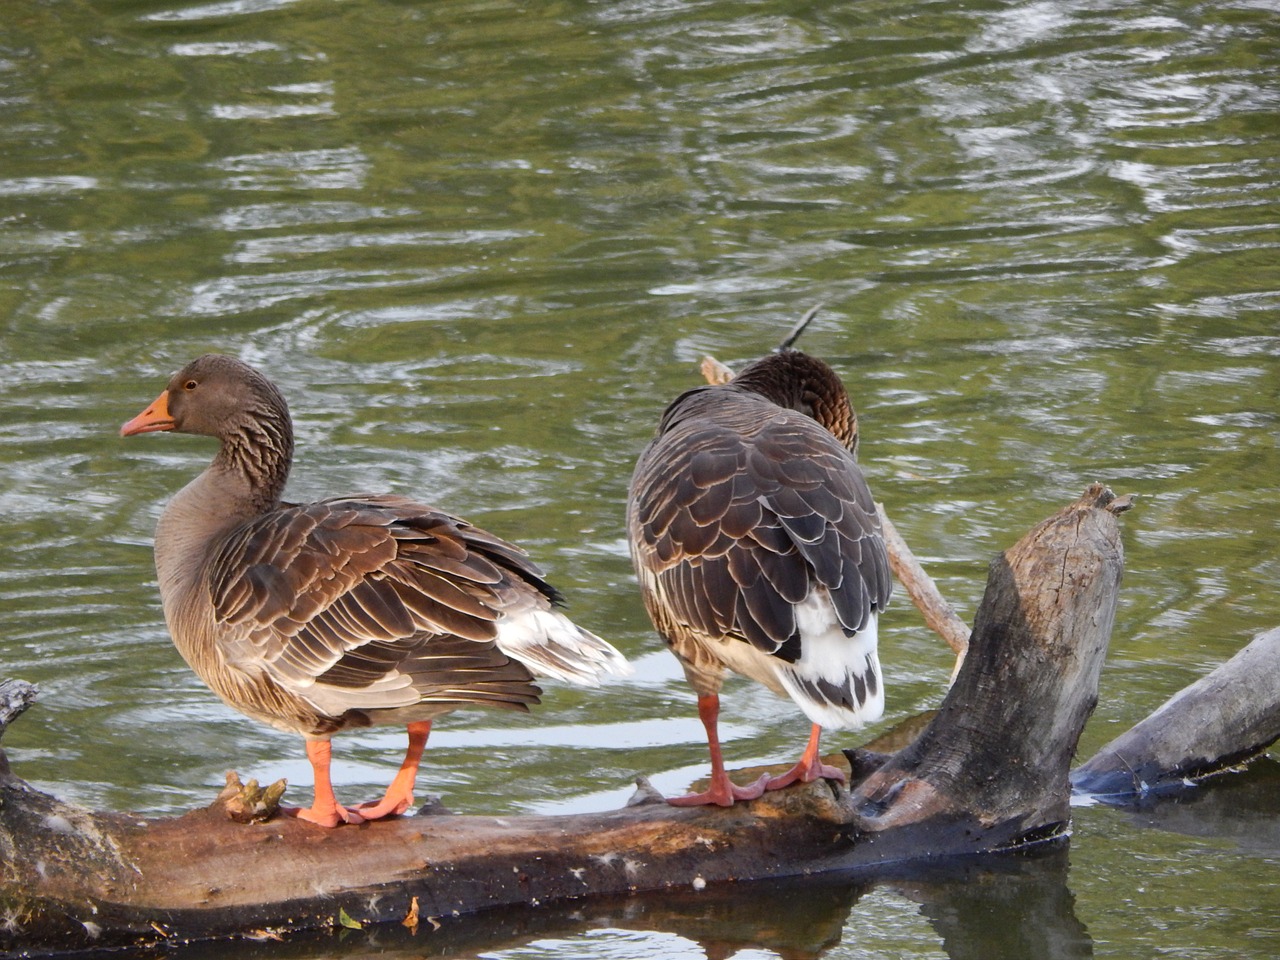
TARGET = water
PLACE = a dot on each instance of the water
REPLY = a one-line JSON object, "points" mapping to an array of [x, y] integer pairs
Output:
{"points": [[480, 246]]}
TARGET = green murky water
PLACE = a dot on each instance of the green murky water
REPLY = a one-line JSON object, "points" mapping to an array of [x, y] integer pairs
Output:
{"points": [[481, 244]]}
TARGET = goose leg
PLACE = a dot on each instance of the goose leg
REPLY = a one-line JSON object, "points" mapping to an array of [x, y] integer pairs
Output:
{"points": [[399, 796], [325, 809], [809, 768], [721, 791]]}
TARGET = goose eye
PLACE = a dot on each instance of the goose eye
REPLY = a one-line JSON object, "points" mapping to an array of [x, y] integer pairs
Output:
{"points": [[190, 385]]}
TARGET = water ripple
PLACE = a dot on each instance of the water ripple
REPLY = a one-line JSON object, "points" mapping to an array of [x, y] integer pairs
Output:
{"points": [[217, 11], [343, 168], [37, 186]]}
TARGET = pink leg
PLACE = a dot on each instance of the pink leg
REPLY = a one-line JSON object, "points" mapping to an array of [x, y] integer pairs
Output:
{"points": [[809, 768], [325, 809], [399, 796], [721, 790]]}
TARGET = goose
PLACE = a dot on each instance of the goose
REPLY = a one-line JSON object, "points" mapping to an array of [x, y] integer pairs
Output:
{"points": [[346, 612], [758, 550]]}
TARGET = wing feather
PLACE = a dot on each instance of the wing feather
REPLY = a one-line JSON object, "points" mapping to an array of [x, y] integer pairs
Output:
{"points": [[738, 510], [380, 601]]}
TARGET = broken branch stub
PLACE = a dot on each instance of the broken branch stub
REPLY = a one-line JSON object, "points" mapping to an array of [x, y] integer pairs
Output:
{"points": [[997, 754]]}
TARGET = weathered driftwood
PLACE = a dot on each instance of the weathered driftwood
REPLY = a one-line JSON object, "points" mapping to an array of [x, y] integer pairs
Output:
{"points": [[1224, 719], [993, 765], [988, 773], [15, 697]]}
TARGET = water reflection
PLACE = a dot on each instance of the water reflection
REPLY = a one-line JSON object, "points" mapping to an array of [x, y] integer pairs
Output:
{"points": [[1242, 807], [1002, 908]]}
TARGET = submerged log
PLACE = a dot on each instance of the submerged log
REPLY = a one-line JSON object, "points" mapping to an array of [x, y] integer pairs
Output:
{"points": [[988, 773], [1222, 720]]}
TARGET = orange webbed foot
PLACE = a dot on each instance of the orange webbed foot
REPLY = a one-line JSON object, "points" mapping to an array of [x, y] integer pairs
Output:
{"points": [[804, 772], [325, 815], [722, 792], [386, 807]]}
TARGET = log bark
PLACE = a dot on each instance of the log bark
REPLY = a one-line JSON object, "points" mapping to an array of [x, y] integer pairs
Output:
{"points": [[992, 768], [1222, 720], [73, 878]]}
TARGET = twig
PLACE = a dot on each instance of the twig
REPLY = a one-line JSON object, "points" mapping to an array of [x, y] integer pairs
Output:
{"points": [[938, 614], [798, 329]]}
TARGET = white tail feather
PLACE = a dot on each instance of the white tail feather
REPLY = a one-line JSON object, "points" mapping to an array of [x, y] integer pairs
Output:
{"points": [[552, 645], [836, 681]]}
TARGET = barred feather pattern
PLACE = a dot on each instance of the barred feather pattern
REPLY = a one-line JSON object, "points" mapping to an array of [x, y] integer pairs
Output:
{"points": [[378, 605], [347, 611], [756, 541]]}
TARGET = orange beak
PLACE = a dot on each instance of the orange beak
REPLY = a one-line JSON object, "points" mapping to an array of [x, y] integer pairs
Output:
{"points": [[155, 417]]}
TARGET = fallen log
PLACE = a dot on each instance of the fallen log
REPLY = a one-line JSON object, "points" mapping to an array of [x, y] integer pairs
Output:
{"points": [[77, 879], [1212, 726]]}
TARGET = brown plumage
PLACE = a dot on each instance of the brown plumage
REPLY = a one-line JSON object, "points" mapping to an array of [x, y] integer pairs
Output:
{"points": [[758, 549], [345, 612]]}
